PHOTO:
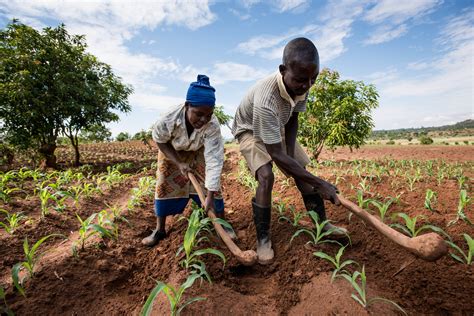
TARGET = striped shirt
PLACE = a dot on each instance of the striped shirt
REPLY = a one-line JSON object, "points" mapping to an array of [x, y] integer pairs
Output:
{"points": [[266, 109], [172, 128]]}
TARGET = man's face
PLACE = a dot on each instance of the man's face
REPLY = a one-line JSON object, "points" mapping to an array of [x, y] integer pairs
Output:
{"points": [[199, 116], [299, 77]]}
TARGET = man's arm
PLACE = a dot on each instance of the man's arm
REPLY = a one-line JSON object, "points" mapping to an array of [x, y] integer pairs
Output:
{"points": [[291, 130], [293, 168]]}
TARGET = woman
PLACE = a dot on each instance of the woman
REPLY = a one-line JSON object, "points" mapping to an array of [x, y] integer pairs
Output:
{"points": [[189, 139]]}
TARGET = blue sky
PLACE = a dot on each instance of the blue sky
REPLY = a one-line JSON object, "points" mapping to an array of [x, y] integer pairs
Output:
{"points": [[418, 53]]}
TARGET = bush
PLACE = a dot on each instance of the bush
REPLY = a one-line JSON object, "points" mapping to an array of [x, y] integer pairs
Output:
{"points": [[391, 142], [425, 140]]}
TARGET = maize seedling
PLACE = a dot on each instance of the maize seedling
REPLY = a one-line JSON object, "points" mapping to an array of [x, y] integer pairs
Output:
{"points": [[336, 261]]}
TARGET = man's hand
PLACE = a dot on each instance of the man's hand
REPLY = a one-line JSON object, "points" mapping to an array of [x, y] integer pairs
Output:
{"points": [[327, 191], [184, 169], [209, 202]]}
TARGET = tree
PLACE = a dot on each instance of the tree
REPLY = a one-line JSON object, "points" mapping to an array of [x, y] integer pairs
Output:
{"points": [[96, 133], [122, 136], [49, 85], [338, 113], [144, 136], [221, 116]]}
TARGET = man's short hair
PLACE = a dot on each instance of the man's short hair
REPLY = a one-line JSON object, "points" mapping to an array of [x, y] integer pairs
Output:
{"points": [[302, 50]]}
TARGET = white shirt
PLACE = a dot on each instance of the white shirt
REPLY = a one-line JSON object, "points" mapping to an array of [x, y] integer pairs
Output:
{"points": [[172, 128]]}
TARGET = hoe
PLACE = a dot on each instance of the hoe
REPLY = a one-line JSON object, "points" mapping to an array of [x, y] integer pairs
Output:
{"points": [[248, 257], [428, 247]]}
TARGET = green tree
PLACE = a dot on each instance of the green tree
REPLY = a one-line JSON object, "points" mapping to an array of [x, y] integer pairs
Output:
{"points": [[222, 117], [96, 133], [338, 113], [50, 86], [144, 136], [123, 136]]}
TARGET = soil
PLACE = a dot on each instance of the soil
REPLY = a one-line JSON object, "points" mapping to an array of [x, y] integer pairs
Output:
{"points": [[116, 277]]}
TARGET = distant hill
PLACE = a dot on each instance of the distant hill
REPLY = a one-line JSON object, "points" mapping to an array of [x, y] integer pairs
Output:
{"points": [[464, 128]]}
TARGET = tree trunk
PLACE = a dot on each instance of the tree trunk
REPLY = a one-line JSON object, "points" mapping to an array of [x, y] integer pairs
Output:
{"points": [[47, 152], [75, 144]]}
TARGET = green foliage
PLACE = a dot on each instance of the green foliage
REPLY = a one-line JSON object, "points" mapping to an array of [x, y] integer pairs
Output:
{"points": [[198, 223], [430, 198], [13, 221], [465, 257], [382, 207], [425, 140], [96, 133], [5, 309], [221, 116], [296, 216], [31, 258], [318, 233], [105, 227], [410, 228], [245, 178], [336, 261], [50, 85], [338, 113], [173, 295], [361, 293], [123, 136], [464, 200]]}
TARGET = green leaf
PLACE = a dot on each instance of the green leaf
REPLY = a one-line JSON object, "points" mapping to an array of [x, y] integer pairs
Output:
{"points": [[192, 300], [16, 277], [148, 307]]}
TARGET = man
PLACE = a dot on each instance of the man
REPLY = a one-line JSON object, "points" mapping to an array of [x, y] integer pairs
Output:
{"points": [[266, 125]]}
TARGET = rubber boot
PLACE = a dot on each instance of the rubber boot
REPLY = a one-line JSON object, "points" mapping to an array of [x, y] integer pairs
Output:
{"points": [[261, 218], [157, 235], [314, 202]]}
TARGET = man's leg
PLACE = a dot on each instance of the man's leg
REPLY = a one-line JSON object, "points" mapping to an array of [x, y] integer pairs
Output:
{"points": [[261, 206]]}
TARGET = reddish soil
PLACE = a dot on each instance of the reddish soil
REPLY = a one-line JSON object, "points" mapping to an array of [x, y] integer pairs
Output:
{"points": [[420, 152], [115, 278]]}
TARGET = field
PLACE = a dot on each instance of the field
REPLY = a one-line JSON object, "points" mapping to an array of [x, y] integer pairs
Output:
{"points": [[111, 273]]}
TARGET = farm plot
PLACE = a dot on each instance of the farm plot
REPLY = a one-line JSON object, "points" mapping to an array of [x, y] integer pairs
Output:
{"points": [[114, 274]]}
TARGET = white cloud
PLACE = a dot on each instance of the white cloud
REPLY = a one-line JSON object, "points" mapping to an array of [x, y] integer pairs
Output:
{"points": [[395, 17], [291, 5], [328, 36], [224, 72], [240, 15], [446, 89], [399, 11], [386, 33]]}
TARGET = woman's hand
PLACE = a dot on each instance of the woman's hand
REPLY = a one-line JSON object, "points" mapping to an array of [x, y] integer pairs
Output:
{"points": [[184, 169]]}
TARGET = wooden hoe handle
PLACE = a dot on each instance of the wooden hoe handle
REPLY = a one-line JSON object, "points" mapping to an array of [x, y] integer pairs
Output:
{"points": [[248, 257], [428, 246]]}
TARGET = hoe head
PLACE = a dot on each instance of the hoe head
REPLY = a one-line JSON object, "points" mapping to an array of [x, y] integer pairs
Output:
{"points": [[429, 246]]}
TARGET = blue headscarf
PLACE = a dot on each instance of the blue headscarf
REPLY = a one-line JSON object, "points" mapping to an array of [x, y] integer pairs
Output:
{"points": [[201, 92]]}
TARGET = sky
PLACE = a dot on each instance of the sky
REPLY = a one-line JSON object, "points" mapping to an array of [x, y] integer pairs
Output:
{"points": [[418, 53]]}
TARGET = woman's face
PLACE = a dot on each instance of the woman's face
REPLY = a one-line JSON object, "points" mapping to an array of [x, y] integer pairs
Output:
{"points": [[199, 116]]}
